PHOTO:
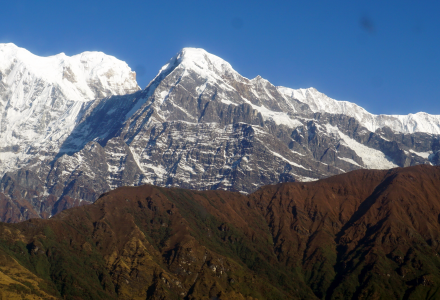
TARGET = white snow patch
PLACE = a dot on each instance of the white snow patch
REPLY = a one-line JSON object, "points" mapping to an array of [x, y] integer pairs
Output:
{"points": [[306, 179], [280, 118], [372, 158], [289, 161], [228, 102], [350, 161], [425, 155]]}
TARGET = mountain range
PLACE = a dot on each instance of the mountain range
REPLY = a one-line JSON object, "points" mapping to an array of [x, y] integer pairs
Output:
{"points": [[366, 234], [72, 128]]}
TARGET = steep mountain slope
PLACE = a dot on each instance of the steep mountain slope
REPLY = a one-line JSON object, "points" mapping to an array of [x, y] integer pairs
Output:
{"points": [[367, 234], [198, 125]]}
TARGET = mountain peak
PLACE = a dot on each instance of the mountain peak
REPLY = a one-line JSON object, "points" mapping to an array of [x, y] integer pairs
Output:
{"points": [[199, 61], [200, 56], [73, 74]]}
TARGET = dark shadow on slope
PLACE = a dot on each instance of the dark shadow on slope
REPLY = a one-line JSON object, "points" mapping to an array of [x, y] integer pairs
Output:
{"points": [[340, 268], [100, 124], [366, 205]]}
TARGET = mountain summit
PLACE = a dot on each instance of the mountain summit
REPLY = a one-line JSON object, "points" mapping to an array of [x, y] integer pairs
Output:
{"points": [[200, 61], [198, 124]]}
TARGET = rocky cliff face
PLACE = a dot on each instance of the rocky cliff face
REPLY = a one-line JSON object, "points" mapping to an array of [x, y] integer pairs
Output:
{"points": [[198, 125], [367, 234]]}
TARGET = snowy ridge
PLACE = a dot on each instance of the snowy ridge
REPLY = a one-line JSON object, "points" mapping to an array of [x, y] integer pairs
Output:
{"points": [[318, 102], [76, 76]]}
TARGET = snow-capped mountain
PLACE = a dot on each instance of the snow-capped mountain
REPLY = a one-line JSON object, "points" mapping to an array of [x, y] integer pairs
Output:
{"points": [[199, 124], [41, 98]]}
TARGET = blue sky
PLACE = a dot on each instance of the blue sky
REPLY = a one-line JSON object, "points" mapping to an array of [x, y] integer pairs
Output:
{"points": [[382, 55]]}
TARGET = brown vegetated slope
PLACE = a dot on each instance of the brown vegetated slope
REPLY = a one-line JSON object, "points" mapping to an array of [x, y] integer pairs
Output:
{"points": [[362, 235], [365, 234]]}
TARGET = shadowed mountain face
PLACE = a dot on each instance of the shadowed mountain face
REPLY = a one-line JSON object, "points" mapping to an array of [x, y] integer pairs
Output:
{"points": [[198, 125], [360, 235]]}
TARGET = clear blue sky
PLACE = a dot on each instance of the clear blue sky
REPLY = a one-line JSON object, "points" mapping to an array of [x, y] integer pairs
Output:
{"points": [[383, 55]]}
